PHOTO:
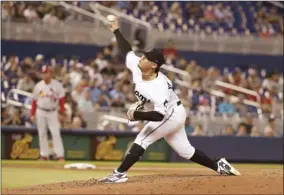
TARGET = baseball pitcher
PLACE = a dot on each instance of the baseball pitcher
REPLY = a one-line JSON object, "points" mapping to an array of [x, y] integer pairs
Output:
{"points": [[46, 96], [166, 120]]}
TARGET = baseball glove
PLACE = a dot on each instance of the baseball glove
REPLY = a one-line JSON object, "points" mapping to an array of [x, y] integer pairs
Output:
{"points": [[135, 106]]}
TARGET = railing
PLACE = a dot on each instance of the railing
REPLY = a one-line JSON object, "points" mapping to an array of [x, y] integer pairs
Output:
{"points": [[214, 92], [199, 42], [212, 124], [242, 90], [81, 11], [128, 24], [13, 98]]}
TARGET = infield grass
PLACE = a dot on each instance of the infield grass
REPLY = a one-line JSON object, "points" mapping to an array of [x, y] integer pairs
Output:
{"points": [[20, 173]]}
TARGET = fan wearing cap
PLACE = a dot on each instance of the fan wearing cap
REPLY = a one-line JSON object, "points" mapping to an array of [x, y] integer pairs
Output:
{"points": [[47, 95], [160, 106]]}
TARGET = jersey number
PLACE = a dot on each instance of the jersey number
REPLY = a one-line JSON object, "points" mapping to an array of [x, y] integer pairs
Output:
{"points": [[169, 86]]}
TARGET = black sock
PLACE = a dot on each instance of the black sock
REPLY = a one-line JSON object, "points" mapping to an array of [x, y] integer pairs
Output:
{"points": [[202, 159], [134, 154]]}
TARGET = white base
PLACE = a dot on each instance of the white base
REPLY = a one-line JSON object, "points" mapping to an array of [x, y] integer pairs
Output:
{"points": [[79, 166]]}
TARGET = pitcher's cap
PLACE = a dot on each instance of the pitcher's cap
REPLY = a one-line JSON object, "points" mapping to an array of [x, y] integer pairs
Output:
{"points": [[156, 56]]}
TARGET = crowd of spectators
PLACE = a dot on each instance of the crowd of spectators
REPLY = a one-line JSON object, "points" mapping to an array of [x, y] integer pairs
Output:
{"points": [[260, 19], [33, 11], [245, 127], [104, 82], [246, 18]]}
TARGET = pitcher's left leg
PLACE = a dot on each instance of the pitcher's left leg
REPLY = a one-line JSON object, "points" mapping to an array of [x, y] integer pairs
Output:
{"points": [[152, 132], [179, 142], [54, 127]]}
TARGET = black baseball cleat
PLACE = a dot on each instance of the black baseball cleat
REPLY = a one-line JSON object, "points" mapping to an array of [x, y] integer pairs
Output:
{"points": [[115, 177], [224, 168]]}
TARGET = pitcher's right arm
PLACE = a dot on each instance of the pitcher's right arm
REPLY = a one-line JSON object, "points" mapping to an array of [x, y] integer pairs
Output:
{"points": [[125, 49]]}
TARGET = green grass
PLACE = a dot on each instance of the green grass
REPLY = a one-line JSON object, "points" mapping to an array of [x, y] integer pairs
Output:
{"points": [[20, 177], [17, 177], [28, 176]]}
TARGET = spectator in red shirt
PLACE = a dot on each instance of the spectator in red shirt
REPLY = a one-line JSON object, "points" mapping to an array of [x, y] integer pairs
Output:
{"points": [[170, 52], [209, 14]]}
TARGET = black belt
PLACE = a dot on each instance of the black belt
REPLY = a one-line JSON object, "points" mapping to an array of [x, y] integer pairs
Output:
{"points": [[179, 103], [47, 110]]}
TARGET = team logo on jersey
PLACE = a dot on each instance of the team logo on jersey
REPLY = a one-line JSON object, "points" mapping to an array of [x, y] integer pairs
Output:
{"points": [[141, 97], [46, 95], [41, 94]]}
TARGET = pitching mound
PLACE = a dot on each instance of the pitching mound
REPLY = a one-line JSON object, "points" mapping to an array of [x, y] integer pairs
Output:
{"points": [[198, 181]]}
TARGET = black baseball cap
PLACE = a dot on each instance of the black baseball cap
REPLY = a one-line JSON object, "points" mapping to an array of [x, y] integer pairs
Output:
{"points": [[156, 56]]}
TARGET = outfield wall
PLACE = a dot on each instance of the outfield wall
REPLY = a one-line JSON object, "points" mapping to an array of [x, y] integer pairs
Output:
{"points": [[22, 143]]}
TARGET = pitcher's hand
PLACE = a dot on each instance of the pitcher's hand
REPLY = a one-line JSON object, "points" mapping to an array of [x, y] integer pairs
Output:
{"points": [[113, 25]]}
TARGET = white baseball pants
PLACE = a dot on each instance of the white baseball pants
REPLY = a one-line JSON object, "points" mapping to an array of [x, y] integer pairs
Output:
{"points": [[49, 119], [172, 129]]}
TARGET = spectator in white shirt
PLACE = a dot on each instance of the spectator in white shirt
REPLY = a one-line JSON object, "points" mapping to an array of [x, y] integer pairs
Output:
{"points": [[273, 80], [77, 93], [75, 73], [26, 83], [30, 13], [50, 18], [85, 103], [218, 11], [100, 61], [97, 76]]}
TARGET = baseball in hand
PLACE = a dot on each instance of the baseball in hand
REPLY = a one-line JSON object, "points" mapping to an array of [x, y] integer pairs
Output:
{"points": [[111, 18]]}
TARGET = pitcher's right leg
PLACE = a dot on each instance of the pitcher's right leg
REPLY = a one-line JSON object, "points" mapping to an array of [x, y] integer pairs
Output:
{"points": [[179, 142]]}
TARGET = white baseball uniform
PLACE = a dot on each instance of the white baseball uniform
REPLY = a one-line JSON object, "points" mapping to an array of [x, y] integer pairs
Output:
{"points": [[159, 93], [47, 98]]}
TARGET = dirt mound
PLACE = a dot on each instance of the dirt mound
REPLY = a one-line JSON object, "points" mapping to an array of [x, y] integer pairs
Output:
{"points": [[253, 181]]}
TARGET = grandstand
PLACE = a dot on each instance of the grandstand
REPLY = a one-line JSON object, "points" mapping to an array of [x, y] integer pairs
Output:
{"points": [[219, 96], [235, 18]]}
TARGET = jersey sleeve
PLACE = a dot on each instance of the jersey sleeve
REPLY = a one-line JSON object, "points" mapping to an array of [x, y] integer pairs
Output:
{"points": [[132, 61]]}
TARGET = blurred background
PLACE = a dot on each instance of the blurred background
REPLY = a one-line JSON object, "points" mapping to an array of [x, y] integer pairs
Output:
{"points": [[225, 60]]}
